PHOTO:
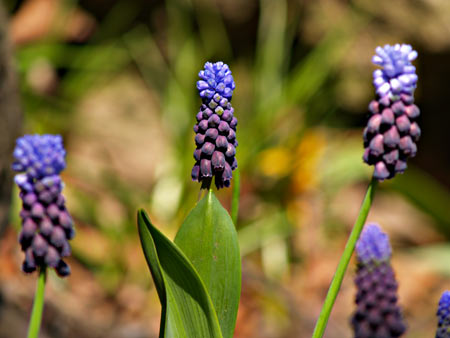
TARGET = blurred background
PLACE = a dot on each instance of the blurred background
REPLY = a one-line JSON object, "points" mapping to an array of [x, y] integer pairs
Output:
{"points": [[117, 79]]}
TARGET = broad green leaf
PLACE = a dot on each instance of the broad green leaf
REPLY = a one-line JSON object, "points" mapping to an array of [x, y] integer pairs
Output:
{"points": [[209, 239], [187, 310]]}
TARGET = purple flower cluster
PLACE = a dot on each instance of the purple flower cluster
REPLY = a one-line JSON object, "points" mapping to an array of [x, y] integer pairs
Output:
{"points": [[46, 224], [377, 313], [392, 130], [443, 314], [216, 127]]}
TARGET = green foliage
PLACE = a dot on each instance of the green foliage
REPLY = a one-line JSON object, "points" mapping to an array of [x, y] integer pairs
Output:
{"points": [[187, 310], [209, 240]]}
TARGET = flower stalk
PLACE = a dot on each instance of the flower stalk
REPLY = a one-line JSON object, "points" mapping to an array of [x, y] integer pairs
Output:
{"points": [[38, 305], [345, 259], [235, 197]]}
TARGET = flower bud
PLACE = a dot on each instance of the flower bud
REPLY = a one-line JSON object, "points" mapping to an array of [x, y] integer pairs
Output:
{"points": [[208, 148], [29, 264], [46, 227], [205, 168], [224, 128], [39, 245], [63, 270], [57, 237], [391, 137], [218, 160], [53, 211], [52, 257], [29, 199], [29, 228], [221, 142], [212, 133], [37, 210], [195, 173], [214, 121]]}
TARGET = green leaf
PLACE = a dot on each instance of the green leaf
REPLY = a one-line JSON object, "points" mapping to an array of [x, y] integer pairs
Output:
{"points": [[209, 239], [187, 310]]}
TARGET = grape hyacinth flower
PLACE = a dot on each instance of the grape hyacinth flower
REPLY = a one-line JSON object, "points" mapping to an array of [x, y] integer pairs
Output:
{"points": [[216, 127], [378, 314], [46, 224], [443, 314], [392, 130]]}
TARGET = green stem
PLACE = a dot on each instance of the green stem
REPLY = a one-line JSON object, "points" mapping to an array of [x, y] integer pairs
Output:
{"points": [[235, 196], [343, 263], [38, 305]]}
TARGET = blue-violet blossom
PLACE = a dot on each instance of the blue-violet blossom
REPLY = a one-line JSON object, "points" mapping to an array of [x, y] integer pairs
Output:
{"points": [[377, 313], [46, 224], [215, 128], [392, 130], [443, 314]]}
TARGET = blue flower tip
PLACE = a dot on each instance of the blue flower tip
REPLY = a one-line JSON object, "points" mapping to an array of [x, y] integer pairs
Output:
{"points": [[373, 246], [215, 78], [444, 302], [39, 155], [397, 74]]}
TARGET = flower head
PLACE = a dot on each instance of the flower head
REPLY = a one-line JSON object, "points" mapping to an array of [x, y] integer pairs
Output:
{"points": [[392, 130], [377, 313], [46, 224], [39, 155], [373, 246], [443, 314], [216, 127]]}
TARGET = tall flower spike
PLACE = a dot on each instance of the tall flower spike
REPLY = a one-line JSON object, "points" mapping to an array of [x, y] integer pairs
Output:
{"points": [[377, 314], [443, 314], [46, 224], [216, 127], [392, 130]]}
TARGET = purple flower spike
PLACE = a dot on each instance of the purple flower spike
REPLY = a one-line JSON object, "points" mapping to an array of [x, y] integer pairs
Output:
{"points": [[377, 313], [216, 127], [443, 314], [393, 115], [46, 224]]}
